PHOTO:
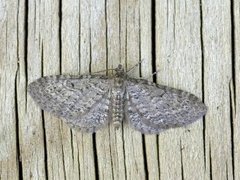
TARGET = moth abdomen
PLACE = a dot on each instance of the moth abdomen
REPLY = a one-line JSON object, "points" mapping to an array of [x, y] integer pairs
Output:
{"points": [[117, 110], [118, 101]]}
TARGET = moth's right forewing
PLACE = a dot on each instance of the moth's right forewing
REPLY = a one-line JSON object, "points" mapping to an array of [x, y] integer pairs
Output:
{"points": [[74, 98]]}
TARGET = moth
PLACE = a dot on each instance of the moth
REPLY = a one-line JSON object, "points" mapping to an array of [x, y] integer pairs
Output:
{"points": [[90, 102]]}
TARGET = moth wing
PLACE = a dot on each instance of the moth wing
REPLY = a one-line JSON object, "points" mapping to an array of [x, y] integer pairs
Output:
{"points": [[152, 108], [83, 101]]}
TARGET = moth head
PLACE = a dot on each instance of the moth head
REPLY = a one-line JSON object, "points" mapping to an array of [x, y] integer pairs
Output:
{"points": [[119, 71]]}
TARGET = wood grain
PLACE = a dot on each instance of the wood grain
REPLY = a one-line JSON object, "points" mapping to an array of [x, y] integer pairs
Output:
{"points": [[8, 77], [235, 89], [179, 61], [218, 75], [193, 45]]}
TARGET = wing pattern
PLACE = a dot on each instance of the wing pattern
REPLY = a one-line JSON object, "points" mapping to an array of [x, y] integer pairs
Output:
{"points": [[152, 108], [83, 101]]}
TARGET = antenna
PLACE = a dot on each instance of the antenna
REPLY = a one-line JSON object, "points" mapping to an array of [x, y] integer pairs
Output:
{"points": [[134, 66]]}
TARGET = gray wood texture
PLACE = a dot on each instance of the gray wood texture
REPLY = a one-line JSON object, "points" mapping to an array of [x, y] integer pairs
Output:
{"points": [[193, 45]]}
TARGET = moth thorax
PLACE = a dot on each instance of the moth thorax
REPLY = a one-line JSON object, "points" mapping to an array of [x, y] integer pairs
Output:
{"points": [[117, 101], [119, 71]]}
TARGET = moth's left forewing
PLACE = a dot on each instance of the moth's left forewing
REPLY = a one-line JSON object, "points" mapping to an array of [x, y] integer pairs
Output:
{"points": [[152, 108]]}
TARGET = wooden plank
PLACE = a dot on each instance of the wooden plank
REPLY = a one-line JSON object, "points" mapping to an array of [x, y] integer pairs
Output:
{"points": [[195, 51], [146, 54], [8, 82], [98, 57], [21, 83], [217, 77], [51, 65], [113, 59], [178, 60], [133, 142], [70, 38], [31, 125], [235, 90], [87, 166]]}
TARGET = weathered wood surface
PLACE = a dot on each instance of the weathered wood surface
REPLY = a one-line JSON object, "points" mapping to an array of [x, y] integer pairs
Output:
{"points": [[194, 45]]}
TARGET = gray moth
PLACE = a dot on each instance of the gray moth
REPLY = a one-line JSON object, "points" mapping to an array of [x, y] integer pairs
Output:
{"points": [[90, 102]]}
